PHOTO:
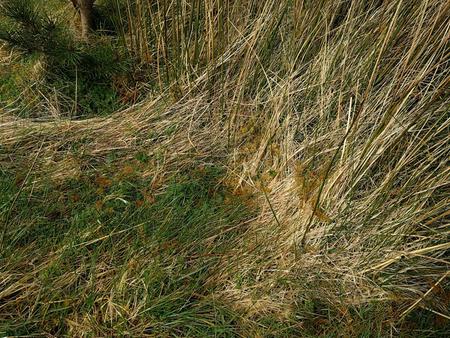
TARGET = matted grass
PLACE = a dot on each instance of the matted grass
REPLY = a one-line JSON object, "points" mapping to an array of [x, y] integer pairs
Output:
{"points": [[292, 182]]}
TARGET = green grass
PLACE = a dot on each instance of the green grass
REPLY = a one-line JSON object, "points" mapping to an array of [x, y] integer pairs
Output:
{"points": [[51, 70], [161, 253]]}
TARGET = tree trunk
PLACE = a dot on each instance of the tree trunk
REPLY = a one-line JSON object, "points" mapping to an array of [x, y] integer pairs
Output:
{"points": [[87, 20], [86, 8]]}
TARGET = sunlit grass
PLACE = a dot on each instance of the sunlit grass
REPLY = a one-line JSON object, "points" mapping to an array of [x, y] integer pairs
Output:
{"points": [[288, 178]]}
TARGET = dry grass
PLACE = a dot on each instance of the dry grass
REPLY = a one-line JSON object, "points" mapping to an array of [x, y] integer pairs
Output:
{"points": [[332, 119]]}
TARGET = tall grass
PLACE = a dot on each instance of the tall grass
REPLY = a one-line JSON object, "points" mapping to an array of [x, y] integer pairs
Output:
{"points": [[331, 120]]}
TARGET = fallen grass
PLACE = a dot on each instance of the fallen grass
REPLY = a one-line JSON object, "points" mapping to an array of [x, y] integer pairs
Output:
{"points": [[293, 185]]}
